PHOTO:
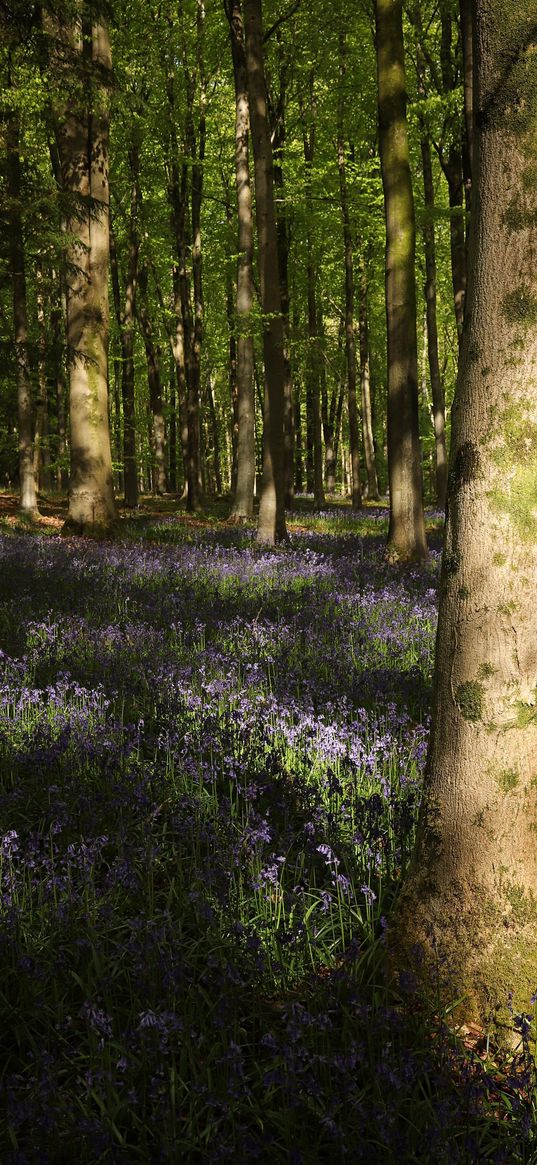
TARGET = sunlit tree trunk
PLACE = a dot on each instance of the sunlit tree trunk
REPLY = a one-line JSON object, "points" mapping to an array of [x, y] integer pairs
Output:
{"points": [[243, 497], [271, 525], [83, 141], [27, 479], [470, 898], [406, 535], [350, 339]]}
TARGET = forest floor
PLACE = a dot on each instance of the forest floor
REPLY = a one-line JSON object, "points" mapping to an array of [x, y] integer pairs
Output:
{"points": [[211, 757]]}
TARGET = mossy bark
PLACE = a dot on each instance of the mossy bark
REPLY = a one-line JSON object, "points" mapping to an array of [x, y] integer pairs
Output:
{"points": [[470, 900], [406, 534], [83, 140]]}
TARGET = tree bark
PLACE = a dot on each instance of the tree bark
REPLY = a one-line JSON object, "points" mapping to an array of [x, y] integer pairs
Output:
{"points": [[470, 897], [406, 534], [437, 390], [27, 478], [350, 341], [243, 494], [271, 524], [83, 142]]}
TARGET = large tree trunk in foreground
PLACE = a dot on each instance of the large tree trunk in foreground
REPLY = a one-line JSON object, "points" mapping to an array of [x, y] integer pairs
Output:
{"points": [[470, 897], [27, 478], [243, 494], [83, 142], [271, 526], [406, 535]]}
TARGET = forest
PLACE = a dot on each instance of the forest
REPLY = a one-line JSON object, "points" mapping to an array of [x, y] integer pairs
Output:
{"points": [[268, 542]]}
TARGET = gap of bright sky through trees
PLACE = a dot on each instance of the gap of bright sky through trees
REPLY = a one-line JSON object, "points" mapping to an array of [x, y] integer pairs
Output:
{"points": [[268, 542]]}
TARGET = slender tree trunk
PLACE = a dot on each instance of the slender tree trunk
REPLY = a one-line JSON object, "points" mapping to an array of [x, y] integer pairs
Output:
{"points": [[125, 314], [243, 491], [156, 404], [437, 390], [271, 525], [42, 436], [172, 446], [297, 424], [278, 117], [406, 535], [27, 480], [233, 386], [452, 168], [83, 141], [470, 897], [337, 423], [365, 386], [350, 343], [313, 389], [57, 327], [215, 431]]}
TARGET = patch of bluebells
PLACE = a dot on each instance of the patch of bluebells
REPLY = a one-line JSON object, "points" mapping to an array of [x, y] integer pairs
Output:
{"points": [[210, 769]]}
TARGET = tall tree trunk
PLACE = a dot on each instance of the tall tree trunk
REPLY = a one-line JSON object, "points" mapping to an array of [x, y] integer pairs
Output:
{"points": [[42, 435], [437, 390], [365, 386], [277, 112], [156, 404], [406, 534], [350, 342], [57, 327], [297, 425], [125, 313], [196, 145], [215, 431], [470, 897], [172, 445], [313, 383], [27, 480], [83, 142], [452, 167], [271, 525], [243, 490]]}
